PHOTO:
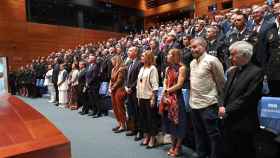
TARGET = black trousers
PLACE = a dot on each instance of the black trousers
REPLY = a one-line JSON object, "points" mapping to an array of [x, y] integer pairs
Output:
{"points": [[133, 110], [148, 117], [56, 92], [93, 101], [208, 137], [239, 144], [81, 101], [274, 87]]}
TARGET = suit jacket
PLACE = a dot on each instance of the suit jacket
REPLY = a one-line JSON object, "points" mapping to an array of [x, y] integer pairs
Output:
{"points": [[82, 77], [92, 79], [117, 79], [241, 98], [132, 75], [262, 45], [55, 73]]}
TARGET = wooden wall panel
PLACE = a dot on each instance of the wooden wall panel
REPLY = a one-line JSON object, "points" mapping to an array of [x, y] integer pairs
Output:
{"points": [[201, 6], [22, 41], [173, 6], [141, 5], [242, 3], [137, 4]]}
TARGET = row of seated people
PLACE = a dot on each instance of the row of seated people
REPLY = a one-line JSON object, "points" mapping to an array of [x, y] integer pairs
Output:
{"points": [[193, 55]]}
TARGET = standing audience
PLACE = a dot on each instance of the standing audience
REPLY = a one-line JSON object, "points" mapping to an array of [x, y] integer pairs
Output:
{"points": [[185, 60]]}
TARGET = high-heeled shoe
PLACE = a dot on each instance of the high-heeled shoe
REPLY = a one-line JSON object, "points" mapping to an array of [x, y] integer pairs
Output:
{"points": [[120, 130], [177, 152], [170, 151], [115, 128], [153, 145], [145, 142]]}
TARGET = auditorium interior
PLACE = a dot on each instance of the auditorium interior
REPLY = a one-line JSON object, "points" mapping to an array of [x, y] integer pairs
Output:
{"points": [[140, 78]]}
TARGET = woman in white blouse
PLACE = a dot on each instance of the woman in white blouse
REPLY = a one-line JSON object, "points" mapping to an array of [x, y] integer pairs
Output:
{"points": [[147, 87], [62, 86], [48, 82]]}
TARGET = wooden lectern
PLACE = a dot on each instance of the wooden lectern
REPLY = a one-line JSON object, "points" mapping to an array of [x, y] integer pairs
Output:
{"points": [[25, 133]]}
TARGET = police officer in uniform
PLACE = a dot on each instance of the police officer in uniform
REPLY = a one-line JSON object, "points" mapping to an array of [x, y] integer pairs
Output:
{"points": [[273, 67], [263, 37], [240, 32], [215, 47]]}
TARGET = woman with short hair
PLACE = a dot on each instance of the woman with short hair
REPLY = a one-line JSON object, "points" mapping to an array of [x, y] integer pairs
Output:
{"points": [[147, 87]]}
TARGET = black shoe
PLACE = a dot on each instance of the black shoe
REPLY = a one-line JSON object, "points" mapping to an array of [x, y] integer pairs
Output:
{"points": [[138, 137], [97, 115], [91, 114], [116, 128], [120, 130], [131, 133], [83, 113], [106, 113]]}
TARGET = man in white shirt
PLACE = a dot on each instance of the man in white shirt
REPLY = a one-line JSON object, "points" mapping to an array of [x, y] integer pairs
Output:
{"points": [[206, 90]]}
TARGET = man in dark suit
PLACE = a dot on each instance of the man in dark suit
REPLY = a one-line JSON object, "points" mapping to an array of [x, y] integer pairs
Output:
{"points": [[130, 87], [92, 88], [199, 29], [81, 84], [243, 91], [56, 69]]}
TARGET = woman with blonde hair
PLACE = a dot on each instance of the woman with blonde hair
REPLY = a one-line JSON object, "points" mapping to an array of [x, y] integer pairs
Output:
{"points": [[117, 90], [147, 87], [172, 106]]}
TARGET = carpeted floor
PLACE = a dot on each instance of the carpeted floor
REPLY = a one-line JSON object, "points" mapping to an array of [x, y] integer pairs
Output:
{"points": [[92, 137]]}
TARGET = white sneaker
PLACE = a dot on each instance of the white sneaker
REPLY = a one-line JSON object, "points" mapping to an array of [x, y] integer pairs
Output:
{"points": [[61, 106], [51, 101]]}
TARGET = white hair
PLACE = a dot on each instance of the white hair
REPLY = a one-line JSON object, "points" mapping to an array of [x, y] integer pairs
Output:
{"points": [[242, 48]]}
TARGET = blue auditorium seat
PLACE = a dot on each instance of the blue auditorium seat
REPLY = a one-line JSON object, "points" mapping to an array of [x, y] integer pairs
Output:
{"points": [[103, 90], [269, 113]]}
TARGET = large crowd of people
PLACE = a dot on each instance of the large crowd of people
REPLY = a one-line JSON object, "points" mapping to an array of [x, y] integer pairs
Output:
{"points": [[221, 61]]}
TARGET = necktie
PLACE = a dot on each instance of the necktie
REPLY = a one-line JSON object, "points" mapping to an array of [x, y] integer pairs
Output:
{"points": [[130, 68]]}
